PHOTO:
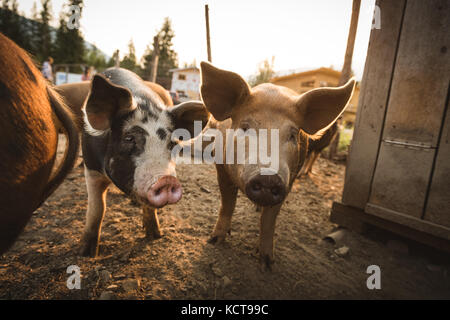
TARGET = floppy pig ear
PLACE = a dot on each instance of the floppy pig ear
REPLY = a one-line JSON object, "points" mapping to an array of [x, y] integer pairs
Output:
{"points": [[320, 107], [104, 101], [222, 90], [186, 113]]}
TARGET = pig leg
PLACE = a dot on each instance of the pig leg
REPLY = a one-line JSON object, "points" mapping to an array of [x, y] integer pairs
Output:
{"points": [[228, 193], [311, 162], [305, 165], [267, 230], [305, 170], [97, 185], [151, 223]]}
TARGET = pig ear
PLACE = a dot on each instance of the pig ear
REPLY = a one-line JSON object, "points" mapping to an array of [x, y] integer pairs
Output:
{"points": [[105, 101], [222, 90], [319, 108], [186, 113]]}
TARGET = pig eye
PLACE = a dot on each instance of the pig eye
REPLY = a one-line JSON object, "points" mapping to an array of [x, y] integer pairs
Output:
{"points": [[293, 136], [128, 138]]}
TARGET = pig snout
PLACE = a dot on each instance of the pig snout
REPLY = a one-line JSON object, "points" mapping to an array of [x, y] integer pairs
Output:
{"points": [[266, 190], [166, 190]]}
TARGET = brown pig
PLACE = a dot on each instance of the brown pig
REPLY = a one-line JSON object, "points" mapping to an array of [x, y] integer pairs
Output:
{"points": [[234, 105], [31, 116]]}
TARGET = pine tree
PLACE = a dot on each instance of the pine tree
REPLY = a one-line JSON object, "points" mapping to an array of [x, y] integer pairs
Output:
{"points": [[95, 59], [34, 13], [17, 31], [114, 59], [146, 62], [33, 30], [129, 61], [43, 36], [13, 25], [6, 18], [168, 58], [69, 43]]}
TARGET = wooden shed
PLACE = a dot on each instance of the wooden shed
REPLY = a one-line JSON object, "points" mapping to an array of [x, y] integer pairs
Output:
{"points": [[398, 170]]}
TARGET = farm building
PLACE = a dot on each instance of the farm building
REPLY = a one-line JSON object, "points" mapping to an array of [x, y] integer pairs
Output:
{"points": [[185, 82], [398, 170], [302, 82]]}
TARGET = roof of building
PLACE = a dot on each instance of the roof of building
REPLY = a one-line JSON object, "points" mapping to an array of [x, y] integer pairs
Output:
{"points": [[328, 71], [184, 69]]}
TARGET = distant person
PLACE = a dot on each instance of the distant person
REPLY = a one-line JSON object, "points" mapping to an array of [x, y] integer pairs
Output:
{"points": [[47, 71], [87, 74]]}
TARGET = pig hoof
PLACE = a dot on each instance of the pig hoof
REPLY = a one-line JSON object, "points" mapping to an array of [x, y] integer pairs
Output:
{"points": [[88, 250], [213, 240], [216, 239], [89, 246], [154, 236], [258, 208], [266, 263]]}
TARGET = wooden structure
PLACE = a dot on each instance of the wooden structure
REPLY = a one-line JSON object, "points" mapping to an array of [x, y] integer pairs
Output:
{"points": [[398, 171], [186, 82]]}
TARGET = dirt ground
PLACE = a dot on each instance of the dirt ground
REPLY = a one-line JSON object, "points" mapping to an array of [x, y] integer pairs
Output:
{"points": [[182, 265]]}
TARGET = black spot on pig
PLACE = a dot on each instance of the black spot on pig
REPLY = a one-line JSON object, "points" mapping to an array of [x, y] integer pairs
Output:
{"points": [[124, 147], [161, 133]]}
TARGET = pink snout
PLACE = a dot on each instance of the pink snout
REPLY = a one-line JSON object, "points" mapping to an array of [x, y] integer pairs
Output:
{"points": [[166, 190]]}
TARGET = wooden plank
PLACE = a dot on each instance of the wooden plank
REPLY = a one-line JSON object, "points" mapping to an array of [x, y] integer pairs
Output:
{"points": [[348, 216], [375, 87], [421, 75], [438, 205], [407, 220], [414, 114], [401, 178]]}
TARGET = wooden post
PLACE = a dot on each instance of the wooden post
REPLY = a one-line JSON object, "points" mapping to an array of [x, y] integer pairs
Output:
{"points": [[372, 104], [347, 68], [117, 62], [155, 59], [208, 43]]}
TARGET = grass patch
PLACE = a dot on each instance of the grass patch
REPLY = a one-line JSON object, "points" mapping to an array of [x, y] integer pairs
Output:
{"points": [[345, 139]]}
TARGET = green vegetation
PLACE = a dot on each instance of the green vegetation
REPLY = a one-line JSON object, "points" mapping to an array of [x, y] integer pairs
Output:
{"points": [[129, 61], [265, 73], [345, 139], [38, 37], [67, 46], [168, 58]]}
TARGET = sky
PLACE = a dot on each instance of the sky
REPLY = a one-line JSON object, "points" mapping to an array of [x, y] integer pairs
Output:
{"points": [[300, 34]]}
